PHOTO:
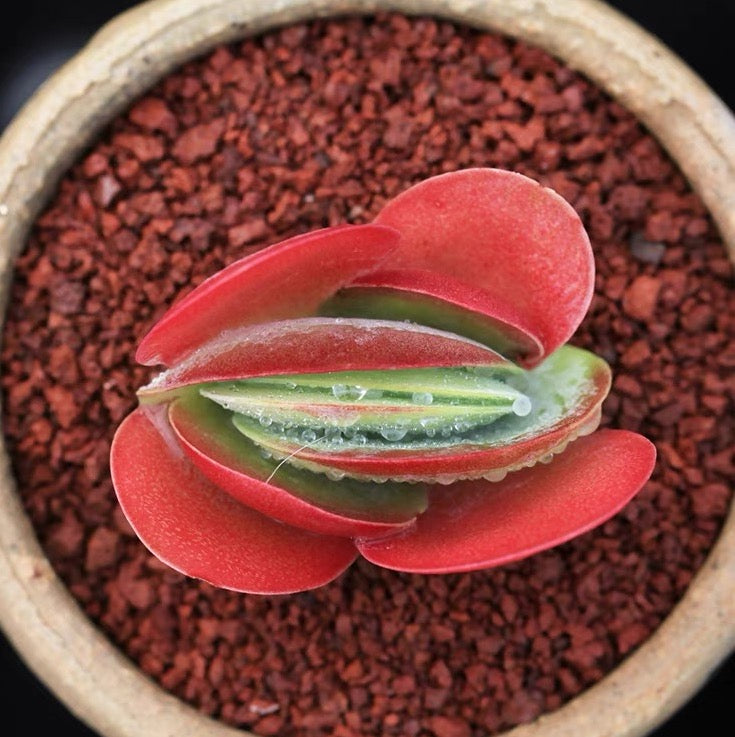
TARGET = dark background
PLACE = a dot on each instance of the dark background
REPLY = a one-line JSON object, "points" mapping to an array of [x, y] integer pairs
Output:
{"points": [[44, 33]]}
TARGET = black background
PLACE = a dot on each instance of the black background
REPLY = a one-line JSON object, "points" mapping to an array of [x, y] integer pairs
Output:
{"points": [[40, 34]]}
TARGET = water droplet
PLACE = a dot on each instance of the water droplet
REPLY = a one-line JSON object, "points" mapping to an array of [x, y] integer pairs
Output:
{"points": [[589, 427], [335, 475], [423, 398], [547, 458], [521, 406], [308, 435], [290, 385], [359, 439], [340, 391], [265, 421], [346, 393], [393, 434], [333, 435], [445, 432], [497, 475], [446, 479], [430, 432]]}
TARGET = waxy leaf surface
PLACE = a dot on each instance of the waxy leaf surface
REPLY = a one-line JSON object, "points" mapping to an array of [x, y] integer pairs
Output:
{"points": [[318, 345], [287, 280], [472, 525], [307, 500], [504, 234], [198, 529]]}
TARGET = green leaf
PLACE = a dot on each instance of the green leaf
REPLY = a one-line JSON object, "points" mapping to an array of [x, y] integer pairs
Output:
{"points": [[380, 424], [370, 408], [399, 302], [239, 466]]}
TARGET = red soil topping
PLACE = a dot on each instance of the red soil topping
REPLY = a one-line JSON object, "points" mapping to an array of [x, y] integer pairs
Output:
{"points": [[318, 125]]}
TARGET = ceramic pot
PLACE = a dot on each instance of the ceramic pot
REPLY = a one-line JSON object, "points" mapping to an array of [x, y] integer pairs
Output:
{"points": [[127, 56]]}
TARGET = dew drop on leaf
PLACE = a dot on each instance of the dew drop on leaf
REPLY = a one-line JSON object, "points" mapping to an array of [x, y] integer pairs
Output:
{"points": [[358, 392], [521, 406], [340, 391], [346, 393], [393, 434]]}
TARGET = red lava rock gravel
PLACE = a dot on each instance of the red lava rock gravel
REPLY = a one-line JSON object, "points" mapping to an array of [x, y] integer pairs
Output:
{"points": [[316, 125]]}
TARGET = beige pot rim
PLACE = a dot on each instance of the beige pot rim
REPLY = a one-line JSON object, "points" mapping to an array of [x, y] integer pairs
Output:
{"points": [[36, 611]]}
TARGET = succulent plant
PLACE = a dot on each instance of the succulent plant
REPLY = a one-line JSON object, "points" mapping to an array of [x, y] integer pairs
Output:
{"points": [[399, 390]]}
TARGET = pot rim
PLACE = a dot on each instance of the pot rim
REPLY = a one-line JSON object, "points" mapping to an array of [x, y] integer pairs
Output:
{"points": [[125, 58]]}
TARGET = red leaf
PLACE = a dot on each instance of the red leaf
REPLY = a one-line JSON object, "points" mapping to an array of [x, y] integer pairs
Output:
{"points": [[472, 525], [318, 345], [309, 501], [502, 233], [287, 280], [199, 530]]}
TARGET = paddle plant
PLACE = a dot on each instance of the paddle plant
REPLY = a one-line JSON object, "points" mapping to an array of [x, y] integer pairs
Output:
{"points": [[399, 390]]}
